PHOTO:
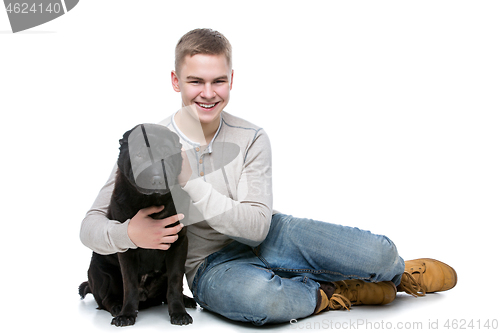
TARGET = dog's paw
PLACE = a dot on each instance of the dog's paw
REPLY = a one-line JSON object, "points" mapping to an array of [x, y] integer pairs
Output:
{"points": [[189, 302], [180, 319], [123, 320]]}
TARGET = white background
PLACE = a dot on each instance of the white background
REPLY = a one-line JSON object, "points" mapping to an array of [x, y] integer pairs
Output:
{"points": [[382, 115]]}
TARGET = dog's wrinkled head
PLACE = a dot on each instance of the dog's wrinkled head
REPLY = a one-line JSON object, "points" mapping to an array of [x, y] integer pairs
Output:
{"points": [[150, 158]]}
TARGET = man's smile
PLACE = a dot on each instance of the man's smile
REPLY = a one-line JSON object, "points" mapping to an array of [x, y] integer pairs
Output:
{"points": [[207, 106]]}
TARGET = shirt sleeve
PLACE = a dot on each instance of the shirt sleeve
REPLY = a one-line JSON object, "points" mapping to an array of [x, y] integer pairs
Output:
{"points": [[101, 234], [248, 218]]}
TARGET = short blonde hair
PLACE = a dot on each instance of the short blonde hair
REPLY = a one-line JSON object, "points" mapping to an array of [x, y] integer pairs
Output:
{"points": [[202, 41]]}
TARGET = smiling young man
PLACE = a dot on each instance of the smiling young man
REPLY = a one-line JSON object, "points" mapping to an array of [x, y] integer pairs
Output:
{"points": [[204, 81], [246, 261]]}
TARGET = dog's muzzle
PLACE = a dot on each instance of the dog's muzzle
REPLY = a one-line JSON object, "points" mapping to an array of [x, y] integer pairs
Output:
{"points": [[154, 178]]}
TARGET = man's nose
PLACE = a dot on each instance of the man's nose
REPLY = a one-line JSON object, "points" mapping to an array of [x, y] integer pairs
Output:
{"points": [[208, 91]]}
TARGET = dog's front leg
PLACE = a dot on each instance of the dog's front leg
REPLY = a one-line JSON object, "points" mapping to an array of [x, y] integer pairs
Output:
{"points": [[128, 265], [175, 273]]}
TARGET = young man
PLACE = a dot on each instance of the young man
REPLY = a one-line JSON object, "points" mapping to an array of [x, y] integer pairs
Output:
{"points": [[246, 261]]}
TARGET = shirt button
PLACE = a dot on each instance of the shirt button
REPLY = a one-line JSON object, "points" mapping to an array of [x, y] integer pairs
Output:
{"points": [[202, 174], [197, 148], [201, 161]]}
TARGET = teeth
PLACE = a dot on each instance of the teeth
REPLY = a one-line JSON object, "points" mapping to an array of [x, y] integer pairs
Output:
{"points": [[208, 106]]}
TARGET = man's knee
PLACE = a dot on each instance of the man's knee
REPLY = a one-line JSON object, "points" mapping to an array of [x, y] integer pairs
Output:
{"points": [[260, 299], [243, 297], [386, 261]]}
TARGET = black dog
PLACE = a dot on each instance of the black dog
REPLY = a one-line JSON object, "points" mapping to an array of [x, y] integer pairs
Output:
{"points": [[148, 165]]}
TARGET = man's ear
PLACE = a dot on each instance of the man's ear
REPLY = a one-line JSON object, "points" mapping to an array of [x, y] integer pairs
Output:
{"points": [[175, 81], [231, 85]]}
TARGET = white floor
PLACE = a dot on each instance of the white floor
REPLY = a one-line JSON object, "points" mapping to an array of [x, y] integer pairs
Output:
{"points": [[459, 308]]}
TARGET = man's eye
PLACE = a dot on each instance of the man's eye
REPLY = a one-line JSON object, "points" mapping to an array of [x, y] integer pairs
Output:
{"points": [[194, 82]]}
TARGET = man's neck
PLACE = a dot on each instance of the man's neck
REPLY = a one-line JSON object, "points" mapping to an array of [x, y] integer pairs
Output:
{"points": [[194, 129]]}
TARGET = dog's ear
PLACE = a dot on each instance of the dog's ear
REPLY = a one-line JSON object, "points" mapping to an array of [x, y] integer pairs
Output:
{"points": [[124, 139], [123, 156], [124, 143], [177, 140]]}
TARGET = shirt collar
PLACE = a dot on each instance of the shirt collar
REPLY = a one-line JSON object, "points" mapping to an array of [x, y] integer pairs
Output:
{"points": [[196, 144]]}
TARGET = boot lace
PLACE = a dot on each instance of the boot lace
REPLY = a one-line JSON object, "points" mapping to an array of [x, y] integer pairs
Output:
{"points": [[338, 301], [411, 286], [342, 297]]}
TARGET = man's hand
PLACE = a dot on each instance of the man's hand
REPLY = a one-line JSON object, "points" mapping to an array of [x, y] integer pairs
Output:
{"points": [[149, 233], [186, 170]]}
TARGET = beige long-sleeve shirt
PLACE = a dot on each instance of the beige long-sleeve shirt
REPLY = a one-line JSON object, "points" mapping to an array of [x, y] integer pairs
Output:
{"points": [[230, 193]]}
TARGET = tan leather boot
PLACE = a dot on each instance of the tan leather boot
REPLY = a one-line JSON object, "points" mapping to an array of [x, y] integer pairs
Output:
{"points": [[344, 294], [423, 276]]}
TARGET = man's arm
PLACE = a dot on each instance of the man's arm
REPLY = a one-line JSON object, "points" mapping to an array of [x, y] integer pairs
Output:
{"points": [[100, 234], [106, 236], [248, 218]]}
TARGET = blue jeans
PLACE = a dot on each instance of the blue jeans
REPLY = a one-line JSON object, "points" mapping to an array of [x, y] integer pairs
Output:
{"points": [[277, 281]]}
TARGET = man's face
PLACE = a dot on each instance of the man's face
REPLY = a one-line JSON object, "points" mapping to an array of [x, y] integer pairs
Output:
{"points": [[204, 82]]}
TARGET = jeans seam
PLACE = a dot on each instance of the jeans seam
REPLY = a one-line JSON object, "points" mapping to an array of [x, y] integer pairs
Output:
{"points": [[196, 279], [314, 272], [264, 261], [200, 272], [299, 270]]}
